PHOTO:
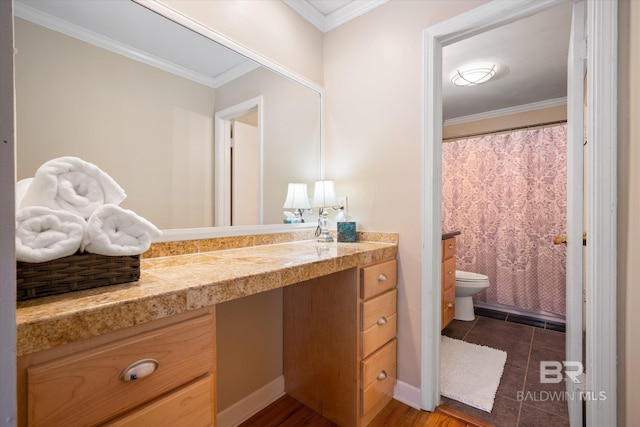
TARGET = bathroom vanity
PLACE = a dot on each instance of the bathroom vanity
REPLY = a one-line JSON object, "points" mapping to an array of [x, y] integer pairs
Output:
{"points": [[144, 352], [448, 277]]}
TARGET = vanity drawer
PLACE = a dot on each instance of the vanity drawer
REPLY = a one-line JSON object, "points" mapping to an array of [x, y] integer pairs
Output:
{"points": [[448, 273], [378, 335], [376, 311], [378, 278], [449, 248], [191, 405], [448, 306], [374, 365], [378, 376], [85, 388]]}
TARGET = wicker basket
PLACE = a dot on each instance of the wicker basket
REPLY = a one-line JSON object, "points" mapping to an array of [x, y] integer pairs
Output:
{"points": [[74, 273]]}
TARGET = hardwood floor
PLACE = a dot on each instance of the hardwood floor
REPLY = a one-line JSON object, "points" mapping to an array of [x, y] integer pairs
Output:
{"points": [[288, 412]]}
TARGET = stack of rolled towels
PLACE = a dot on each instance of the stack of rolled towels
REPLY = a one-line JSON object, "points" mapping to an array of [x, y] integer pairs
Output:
{"points": [[71, 206]]}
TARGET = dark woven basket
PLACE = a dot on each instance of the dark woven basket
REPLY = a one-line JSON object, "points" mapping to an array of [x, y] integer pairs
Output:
{"points": [[74, 273]]}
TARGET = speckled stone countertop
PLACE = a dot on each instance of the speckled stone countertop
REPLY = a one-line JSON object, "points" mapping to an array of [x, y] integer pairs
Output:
{"points": [[175, 284], [450, 234]]}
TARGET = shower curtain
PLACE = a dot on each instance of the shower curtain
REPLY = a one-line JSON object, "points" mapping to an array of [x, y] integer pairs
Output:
{"points": [[506, 193]]}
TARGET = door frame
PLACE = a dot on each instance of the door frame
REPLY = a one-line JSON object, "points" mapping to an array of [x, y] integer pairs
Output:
{"points": [[601, 191], [576, 71], [222, 150], [8, 402]]}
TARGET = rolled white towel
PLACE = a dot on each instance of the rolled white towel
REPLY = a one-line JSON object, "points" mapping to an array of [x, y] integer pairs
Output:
{"points": [[73, 185], [115, 231], [44, 234], [21, 188]]}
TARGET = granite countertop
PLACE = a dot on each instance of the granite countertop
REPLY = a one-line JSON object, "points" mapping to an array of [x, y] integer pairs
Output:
{"points": [[175, 284], [450, 234]]}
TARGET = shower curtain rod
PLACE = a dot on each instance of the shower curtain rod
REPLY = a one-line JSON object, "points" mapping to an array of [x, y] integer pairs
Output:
{"points": [[499, 131]]}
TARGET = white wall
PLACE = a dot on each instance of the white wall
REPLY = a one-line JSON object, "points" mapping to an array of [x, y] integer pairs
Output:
{"points": [[373, 83]]}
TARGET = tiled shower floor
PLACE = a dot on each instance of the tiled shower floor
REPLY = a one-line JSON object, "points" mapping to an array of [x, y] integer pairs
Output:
{"points": [[519, 401]]}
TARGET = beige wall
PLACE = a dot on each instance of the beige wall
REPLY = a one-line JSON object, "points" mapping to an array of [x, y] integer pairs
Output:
{"points": [[108, 110], [508, 121], [373, 80], [628, 215], [249, 345], [270, 28]]}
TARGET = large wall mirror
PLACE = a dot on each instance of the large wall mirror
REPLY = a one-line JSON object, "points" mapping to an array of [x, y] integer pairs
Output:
{"points": [[147, 100]]}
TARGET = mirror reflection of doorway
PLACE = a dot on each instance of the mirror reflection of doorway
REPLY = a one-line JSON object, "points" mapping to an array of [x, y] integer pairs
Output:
{"points": [[245, 167], [238, 164]]}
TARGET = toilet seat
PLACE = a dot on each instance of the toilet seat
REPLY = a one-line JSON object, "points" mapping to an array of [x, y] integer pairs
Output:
{"points": [[468, 276]]}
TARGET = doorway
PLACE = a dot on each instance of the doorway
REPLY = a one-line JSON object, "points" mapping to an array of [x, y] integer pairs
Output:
{"points": [[245, 167], [238, 164], [602, 132]]}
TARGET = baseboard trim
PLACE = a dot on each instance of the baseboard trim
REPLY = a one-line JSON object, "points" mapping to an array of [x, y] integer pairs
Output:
{"points": [[263, 397], [252, 404], [407, 394]]}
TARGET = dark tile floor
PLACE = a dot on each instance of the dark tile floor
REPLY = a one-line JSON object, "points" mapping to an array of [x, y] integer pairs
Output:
{"points": [[519, 401]]}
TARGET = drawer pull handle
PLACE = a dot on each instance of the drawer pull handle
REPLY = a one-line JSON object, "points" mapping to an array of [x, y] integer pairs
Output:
{"points": [[450, 272], [382, 278], [139, 369], [450, 246], [382, 375], [382, 321], [450, 305]]}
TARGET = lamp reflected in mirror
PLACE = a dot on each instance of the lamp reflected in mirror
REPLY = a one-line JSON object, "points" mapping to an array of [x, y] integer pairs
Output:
{"points": [[324, 196], [298, 200]]}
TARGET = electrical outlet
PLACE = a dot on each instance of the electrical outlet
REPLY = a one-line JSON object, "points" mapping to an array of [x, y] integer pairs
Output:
{"points": [[342, 202]]}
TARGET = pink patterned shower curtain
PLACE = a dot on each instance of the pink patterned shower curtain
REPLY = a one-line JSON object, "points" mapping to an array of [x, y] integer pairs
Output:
{"points": [[507, 195]]}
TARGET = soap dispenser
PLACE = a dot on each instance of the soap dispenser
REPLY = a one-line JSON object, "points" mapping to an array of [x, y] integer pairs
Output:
{"points": [[346, 227]]}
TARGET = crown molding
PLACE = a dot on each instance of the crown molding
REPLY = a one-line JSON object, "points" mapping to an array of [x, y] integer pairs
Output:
{"points": [[308, 12], [56, 24], [234, 73], [336, 18], [506, 111]]}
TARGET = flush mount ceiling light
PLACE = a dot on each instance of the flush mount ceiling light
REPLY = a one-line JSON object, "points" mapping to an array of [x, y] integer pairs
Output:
{"points": [[474, 74]]}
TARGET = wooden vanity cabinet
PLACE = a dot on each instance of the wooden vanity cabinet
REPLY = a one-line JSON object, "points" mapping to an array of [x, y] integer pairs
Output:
{"points": [[340, 342], [82, 383], [448, 280]]}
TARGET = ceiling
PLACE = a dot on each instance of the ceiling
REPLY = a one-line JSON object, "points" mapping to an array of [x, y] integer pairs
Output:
{"points": [[531, 55]]}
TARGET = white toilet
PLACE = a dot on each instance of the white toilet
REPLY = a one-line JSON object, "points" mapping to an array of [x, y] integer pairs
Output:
{"points": [[468, 284]]}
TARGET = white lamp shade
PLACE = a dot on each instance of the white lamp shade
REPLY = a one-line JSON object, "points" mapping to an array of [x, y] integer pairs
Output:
{"points": [[297, 197], [324, 195]]}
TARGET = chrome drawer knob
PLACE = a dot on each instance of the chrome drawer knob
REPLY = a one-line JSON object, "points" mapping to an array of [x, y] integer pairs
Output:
{"points": [[382, 321], [382, 375], [382, 278], [139, 369]]}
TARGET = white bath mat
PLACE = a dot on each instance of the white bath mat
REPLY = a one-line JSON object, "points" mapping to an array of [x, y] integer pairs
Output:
{"points": [[470, 373]]}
